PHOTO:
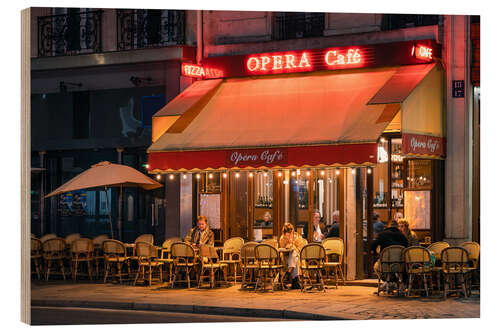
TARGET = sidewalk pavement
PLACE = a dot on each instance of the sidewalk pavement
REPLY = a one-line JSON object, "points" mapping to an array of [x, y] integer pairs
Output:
{"points": [[346, 302]]}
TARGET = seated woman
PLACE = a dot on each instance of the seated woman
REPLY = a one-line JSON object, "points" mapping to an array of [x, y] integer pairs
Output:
{"points": [[291, 240], [404, 227]]}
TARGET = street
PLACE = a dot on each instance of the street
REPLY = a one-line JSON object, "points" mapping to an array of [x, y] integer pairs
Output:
{"points": [[41, 315]]}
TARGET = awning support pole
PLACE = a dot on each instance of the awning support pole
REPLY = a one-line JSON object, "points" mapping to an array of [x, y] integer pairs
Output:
{"points": [[109, 213]]}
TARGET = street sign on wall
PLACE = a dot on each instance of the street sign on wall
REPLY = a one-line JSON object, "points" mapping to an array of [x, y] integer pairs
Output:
{"points": [[458, 88]]}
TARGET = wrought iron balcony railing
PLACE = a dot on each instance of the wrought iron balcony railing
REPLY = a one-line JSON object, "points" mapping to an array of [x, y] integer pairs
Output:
{"points": [[401, 21], [298, 25], [149, 28], [69, 34]]}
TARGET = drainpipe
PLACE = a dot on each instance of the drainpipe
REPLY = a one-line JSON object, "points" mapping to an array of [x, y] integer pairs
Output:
{"points": [[199, 36]]}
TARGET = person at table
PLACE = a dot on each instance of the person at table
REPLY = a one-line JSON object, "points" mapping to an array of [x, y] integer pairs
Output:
{"points": [[201, 234], [319, 229], [378, 226], [334, 229], [390, 236], [292, 241], [410, 235]]}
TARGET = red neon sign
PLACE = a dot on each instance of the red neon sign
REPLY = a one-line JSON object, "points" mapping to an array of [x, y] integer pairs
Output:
{"points": [[335, 57], [197, 71], [281, 62], [422, 52]]}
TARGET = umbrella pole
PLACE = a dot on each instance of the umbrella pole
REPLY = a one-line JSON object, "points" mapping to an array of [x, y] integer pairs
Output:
{"points": [[109, 213]]}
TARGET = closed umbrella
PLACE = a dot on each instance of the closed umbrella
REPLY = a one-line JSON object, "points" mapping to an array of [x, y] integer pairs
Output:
{"points": [[106, 174]]}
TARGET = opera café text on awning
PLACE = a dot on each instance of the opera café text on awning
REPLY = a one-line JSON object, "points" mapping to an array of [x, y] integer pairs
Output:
{"points": [[349, 132]]}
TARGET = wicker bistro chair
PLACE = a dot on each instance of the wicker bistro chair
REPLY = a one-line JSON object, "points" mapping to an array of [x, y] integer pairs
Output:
{"points": [[54, 253], [82, 250], [115, 256], [248, 264], [436, 248], [269, 265], [211, 264], [37, 256], [231, 253], [70, 238], [418, 264], [455, 264], [98, 252], [147, 256], [184, 260], [334, 249], [312, 258], [391, 266], [47, 237], [271, 241], [166, 257], [473, 250]]}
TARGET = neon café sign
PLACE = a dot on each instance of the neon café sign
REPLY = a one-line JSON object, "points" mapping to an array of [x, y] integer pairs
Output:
{"points": [[309, 60]]}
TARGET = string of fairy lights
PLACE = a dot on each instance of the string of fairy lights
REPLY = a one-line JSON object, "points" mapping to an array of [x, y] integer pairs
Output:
{"points": [[250, 174]]}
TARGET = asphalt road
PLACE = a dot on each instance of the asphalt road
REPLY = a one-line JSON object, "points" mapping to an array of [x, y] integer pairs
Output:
{"points": [[82, 316]]}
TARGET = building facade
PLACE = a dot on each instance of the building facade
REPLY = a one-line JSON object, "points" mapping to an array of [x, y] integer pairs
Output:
{"points": [[90, 100]]}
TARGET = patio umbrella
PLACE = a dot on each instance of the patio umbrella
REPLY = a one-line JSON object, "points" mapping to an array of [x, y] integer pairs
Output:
{"points": [[106, 174]]}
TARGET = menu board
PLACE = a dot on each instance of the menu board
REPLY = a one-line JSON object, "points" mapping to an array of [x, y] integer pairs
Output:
{"points": [[210, 207], [418, 209]]}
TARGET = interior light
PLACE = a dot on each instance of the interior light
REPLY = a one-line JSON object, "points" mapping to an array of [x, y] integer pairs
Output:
{"points": [[210, 176], [198, 176], [184, 176], [279, 174], [250, 174], [337, 172], [322, 172], [171, 176], [298, 171], [353, 171], [224, 175], [308, 173], [293, 173], [158, 177], [369, 170], [237, 175]]}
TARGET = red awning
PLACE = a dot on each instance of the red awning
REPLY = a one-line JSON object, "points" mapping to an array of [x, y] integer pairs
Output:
{"points": [[297, 120]]}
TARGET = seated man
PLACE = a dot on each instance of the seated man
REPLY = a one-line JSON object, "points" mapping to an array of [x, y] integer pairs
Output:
{"points": [[390, 236], [201, 234]]}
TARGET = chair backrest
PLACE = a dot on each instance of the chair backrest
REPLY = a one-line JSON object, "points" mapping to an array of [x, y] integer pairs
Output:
{"points": [[113, 247], [53, 245], [36, 246], [99, 239], [167, 244], [180, 249], [70, 238], [147, 238], [47, 237], [333, 245], [144, 249], [417, 257], [266, 252], [437, 247], [454, 257], [247, 253], [472, 248], [233, 245], [313, 252], [270, 241], [82, 245], [209, 252], [391, 259]]}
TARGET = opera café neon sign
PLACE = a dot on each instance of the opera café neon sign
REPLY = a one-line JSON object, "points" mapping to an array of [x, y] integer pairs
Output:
{"points": [[289, 62]]}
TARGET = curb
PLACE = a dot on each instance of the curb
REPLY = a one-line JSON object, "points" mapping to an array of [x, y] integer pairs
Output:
{"points": [[195, 309]]}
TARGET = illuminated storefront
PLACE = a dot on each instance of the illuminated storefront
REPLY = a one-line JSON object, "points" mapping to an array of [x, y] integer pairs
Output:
{"points": [[271, 138]]}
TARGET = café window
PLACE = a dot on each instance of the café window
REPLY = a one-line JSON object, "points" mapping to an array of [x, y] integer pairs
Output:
{"points": [[210, 182], [299, 200], [419, 174], [263, 204]]}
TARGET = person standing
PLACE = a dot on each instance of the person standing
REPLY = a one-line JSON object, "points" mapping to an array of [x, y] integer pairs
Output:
{"points": [[201, 234]]}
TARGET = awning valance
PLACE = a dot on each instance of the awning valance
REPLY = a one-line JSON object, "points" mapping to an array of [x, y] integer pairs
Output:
{"points": [[314, 119]]}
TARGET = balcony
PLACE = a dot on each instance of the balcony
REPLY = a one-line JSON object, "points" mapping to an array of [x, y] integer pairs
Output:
{"points": [[70, 34], [149, 28]]}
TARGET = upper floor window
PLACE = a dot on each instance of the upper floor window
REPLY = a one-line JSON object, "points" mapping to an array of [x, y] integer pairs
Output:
{"points": [[401, 21], [298, 25], [144, 28], [74, 31]]}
